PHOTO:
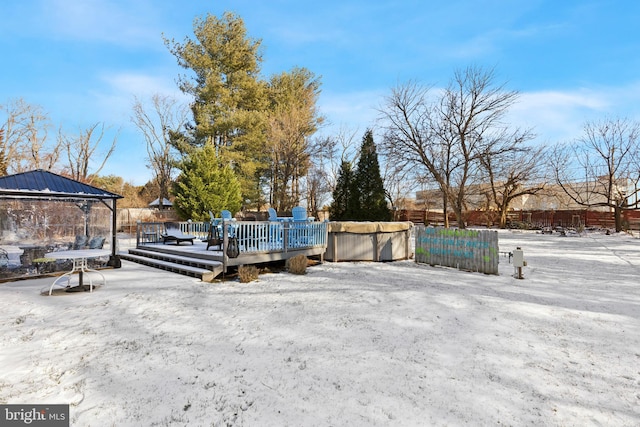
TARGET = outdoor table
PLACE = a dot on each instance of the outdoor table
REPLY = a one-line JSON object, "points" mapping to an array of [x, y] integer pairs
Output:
{"points": [[79, 258]]}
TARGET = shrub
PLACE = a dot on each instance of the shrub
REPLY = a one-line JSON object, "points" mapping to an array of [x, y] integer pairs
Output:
{"points": [[297, 264], [247, 273]]}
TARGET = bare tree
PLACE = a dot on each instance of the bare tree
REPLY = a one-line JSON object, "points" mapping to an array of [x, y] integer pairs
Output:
{"points": [[26, 144], [601, 168], [82, 149], [515, 172], [327, 154], [468, 119], [332, 151], [398, 183], [447, 136], [3, 160], [292, 118], [409, 139], [165, 117], [316, 189], [318, 180], [289, 158]]}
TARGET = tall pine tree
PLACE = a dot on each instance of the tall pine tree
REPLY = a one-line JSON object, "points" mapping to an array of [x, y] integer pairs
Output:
{"points": [[369, 193], [230, 101], [342, 208]]}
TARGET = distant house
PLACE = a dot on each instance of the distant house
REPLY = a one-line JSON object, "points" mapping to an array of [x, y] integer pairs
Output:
{"points": [[553, 198], [166, 204]]}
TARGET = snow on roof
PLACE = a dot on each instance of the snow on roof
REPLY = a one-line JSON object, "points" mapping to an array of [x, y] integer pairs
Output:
{"points": [[41, 182], [165, 202]]}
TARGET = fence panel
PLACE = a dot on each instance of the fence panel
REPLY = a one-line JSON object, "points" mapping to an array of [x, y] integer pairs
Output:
{"points": [[472, 250]]}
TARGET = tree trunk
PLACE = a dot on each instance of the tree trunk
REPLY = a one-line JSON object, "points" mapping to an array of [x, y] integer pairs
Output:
{"points": [[617, 214], [445, 210], [459, 217], [503, 218], [504, 209]]}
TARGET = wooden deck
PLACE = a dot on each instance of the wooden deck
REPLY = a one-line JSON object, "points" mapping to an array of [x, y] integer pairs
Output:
{"points": [[258, 243]]}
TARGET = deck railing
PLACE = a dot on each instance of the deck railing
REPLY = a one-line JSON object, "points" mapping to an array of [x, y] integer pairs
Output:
{"points": [[266, 236], [251, 236]]}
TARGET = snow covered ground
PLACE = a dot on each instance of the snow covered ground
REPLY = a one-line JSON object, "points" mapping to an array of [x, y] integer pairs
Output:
{"points": [[348, 344]]}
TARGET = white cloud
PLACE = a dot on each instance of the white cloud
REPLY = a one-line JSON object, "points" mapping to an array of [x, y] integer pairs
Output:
{"points": [[126, 23], [558, 116], [115, 99], [554, 115], [353, 110], [141, 84], [487, 43]]}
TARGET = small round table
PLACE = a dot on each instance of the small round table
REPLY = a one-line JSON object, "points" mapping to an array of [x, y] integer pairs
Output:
{"points": [[79, 257]]}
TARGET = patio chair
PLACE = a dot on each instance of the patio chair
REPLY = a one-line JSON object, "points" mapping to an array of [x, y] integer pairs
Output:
{"points": [[174, 234], [4, 259], [273, 216], [231, 226], [226, 215], [80, 242], [213, 237], [212, 218], [299, 230], [300, 214], [96, 242]]}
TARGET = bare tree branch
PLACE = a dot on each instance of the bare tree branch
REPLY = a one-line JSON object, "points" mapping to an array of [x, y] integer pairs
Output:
{"points": [[82, 154], [601, 168], [165, 117], [447, 135], [26, 144]]}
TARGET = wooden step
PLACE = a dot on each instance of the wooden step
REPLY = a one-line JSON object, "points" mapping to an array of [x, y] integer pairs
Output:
{"points": [[183, 267], [178, 259]]}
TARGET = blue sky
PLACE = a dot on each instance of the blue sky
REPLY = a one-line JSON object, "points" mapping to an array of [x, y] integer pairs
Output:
{"points": [[84, 61]]}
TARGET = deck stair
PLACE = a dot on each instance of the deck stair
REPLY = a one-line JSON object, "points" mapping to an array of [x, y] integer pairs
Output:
{"points": [[205, 269]]}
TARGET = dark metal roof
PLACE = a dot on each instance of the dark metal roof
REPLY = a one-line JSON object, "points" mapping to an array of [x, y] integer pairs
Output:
{"points": [[44, 184], [165, 202]]}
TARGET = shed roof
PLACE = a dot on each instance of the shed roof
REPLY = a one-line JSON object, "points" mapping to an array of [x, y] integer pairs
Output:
{"points": [[44, 184]]}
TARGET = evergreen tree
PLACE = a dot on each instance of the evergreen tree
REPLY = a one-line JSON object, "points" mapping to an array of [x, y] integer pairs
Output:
{"points": [[230, 101], [205, 186], [341, 208], [369, 191]]}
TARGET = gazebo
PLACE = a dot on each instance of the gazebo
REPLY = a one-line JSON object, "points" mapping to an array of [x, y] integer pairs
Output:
{"points": [[44, 186], [166, 203]]}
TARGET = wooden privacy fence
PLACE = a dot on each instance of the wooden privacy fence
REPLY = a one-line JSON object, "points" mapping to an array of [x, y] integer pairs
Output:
{"points": [[472, 250]]}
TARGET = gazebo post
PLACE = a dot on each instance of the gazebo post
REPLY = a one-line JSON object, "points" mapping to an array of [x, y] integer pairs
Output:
{"points": [[114, 259]]}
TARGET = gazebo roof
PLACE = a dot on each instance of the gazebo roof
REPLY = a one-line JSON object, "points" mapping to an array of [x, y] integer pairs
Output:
{"points": [[165, 202], [41, 184]]}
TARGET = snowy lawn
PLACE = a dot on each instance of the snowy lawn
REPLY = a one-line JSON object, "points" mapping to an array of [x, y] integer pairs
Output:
{"points": [[348, 344]]}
